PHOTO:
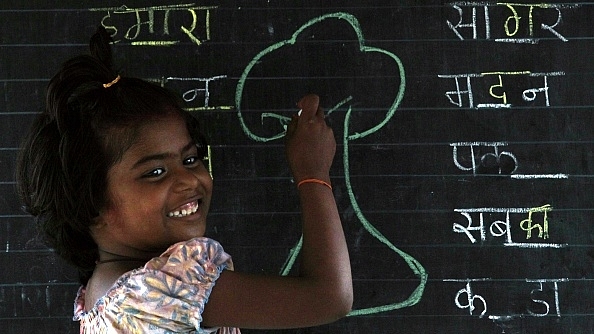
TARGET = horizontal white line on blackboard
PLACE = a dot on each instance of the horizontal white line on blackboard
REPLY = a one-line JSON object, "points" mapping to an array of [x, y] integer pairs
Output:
{"points": [[494, 105], [539, 176], [433, 279], [501, 210], [361, 280], [346, 77], [374, 315], [28, 251], [9, 113], [43, 45], [282, 248], [291, 6], [67, 320], [485, 279], [274, 179], [473, 176], [534, 245], [292, 213], [368, 41], [229, 109], [380, 146], [24, 284], [462, 316]]}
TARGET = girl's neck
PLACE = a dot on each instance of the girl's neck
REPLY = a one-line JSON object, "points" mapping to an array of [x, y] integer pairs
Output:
{"points": [[110, 257]]}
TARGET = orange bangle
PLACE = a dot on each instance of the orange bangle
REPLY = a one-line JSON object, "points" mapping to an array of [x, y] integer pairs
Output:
{"points": [[314, 181]]}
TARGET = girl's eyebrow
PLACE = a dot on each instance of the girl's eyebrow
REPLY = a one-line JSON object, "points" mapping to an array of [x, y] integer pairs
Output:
{"points": [[161, 156]]}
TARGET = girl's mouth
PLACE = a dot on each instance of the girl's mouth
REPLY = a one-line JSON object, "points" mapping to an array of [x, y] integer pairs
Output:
{"points": [[184, 210]]}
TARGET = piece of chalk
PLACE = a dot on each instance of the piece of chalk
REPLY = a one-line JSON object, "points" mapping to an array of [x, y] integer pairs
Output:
{"points": [[299, 112]]}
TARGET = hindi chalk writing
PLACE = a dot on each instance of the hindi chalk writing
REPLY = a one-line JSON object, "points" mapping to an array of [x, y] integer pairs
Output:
{"points": [[196, 27], [470, 297], [493, 89], [513, 27], [503, 162], [197, 95], [543, 300], [502, 228], [497, 162]]}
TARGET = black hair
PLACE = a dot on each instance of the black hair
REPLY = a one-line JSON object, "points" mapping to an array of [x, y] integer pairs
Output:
{"points": [[85, 129]]}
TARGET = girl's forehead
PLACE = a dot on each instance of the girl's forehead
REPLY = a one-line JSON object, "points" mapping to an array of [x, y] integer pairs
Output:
{"points": [[168, 132], [160, 125]]}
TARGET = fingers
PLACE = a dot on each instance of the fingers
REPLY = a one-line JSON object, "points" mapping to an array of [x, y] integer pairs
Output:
{"points": [[309, 114], [320, 113], [309, 104], [309, 141], [292, 125]]}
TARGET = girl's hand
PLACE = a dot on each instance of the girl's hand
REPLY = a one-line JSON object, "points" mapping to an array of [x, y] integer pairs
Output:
{"points": [[310, 143]]}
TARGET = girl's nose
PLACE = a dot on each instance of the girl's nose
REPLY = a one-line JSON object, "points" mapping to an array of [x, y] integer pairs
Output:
{"points": [[186, 179]]}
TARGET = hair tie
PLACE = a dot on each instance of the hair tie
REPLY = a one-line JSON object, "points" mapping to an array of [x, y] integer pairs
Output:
{"points": [[318, 181], [113, 82]]}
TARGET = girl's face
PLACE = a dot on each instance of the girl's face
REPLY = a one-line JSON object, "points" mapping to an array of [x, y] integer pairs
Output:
{"points": [[159, 192]]}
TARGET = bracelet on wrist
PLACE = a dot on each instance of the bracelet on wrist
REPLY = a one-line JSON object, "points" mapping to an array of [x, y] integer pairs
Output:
{"points": [[318, 181]]}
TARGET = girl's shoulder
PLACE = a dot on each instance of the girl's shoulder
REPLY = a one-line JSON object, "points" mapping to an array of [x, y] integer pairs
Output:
{"points": [[198, 251], [170, 289]]}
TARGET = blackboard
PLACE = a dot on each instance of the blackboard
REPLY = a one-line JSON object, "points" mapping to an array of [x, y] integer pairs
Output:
{"points": [[465, 160]]}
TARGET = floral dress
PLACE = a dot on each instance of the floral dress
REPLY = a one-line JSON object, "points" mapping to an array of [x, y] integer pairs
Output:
{"points": [[167, 295]]}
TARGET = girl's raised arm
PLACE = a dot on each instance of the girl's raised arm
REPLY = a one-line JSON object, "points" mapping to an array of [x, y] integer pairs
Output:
{"points": [[323, 291]]}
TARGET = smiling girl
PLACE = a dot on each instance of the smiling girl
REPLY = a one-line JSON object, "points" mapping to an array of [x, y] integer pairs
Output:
{"points": [[113, 171]]}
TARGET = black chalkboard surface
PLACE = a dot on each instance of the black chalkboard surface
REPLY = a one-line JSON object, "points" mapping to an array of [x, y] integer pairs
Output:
{"points": [[464, 166]]}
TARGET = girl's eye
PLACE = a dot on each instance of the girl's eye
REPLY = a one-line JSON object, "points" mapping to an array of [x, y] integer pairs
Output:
{"points": [[155, 172], [191, 161]]}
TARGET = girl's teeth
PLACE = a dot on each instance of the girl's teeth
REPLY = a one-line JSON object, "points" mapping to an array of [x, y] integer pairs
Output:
{"points": [[183, 212]]}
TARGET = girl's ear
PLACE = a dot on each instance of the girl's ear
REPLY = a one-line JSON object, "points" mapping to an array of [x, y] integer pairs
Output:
{"points": [[99, 222]]}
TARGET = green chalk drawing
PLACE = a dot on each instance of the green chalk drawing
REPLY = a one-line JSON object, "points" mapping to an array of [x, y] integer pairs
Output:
{"points": [[413, 264]]}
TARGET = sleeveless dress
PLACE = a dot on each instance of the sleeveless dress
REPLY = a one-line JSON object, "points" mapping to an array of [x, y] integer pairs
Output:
{"points": [[167, 295]]}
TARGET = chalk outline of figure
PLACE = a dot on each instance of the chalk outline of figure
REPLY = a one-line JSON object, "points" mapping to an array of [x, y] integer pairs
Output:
{"points": [[414, 265]]}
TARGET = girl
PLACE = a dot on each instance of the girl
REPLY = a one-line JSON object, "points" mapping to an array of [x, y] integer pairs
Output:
{"points": [[112, 170]]}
